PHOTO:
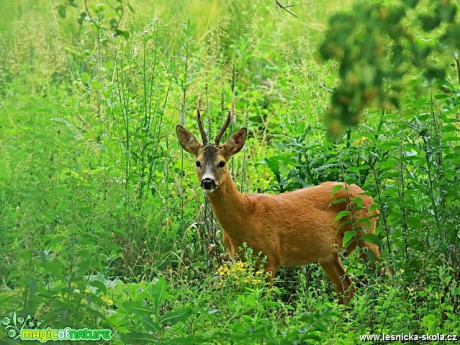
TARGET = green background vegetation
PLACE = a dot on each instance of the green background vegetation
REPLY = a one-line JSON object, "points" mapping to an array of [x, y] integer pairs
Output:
{"points": [[102, 221]]}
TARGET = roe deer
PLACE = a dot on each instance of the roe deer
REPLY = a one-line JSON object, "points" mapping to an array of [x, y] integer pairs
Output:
{"points": [[292, 228]]}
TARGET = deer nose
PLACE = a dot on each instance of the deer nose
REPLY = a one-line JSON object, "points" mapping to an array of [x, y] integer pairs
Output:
{"points": [[208, 183]]}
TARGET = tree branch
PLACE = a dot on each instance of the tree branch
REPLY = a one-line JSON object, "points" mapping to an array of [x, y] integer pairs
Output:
{"points": [[285, 7]]}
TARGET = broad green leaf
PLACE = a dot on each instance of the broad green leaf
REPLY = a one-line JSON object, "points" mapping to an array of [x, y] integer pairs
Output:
{"points": [[338, 201], [359, 202], [372, 238], [99, 285], [336, 189], [342, 224], [150, 325], [138, 308], [348, 237], [159, 292], [273, 164], [176, 316], [341, 214], [373, 208]]}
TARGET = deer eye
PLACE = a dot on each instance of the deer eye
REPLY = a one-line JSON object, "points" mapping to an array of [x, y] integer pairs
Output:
{"points": [[198, 164], [221, 164]]}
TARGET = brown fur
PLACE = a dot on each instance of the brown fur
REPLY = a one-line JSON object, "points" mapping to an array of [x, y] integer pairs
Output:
{"points": [[293, 228]]}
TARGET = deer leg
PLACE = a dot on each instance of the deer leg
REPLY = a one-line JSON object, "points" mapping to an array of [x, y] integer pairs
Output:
{"points": [[336, 273], [271, 270]]}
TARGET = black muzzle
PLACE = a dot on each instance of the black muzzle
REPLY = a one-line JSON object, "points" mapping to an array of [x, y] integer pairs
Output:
{"points": [[208, 183]]}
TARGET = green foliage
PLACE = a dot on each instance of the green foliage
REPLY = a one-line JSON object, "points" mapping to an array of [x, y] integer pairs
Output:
{"points": [[102, 221], [104, 17], [380, 47]]}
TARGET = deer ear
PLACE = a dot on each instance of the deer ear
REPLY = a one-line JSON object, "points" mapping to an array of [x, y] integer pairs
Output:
{"points": [[187, 140], [236, 142]]}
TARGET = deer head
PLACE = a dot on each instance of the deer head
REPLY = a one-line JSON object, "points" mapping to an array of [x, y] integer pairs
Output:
{"points": [[211, 159]]}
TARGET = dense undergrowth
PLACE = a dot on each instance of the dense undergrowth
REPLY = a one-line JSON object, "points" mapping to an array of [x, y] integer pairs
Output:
{"points": [[102, 222]]}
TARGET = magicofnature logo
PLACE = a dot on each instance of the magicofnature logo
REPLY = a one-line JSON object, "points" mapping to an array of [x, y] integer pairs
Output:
{"points": [[27, 328]]}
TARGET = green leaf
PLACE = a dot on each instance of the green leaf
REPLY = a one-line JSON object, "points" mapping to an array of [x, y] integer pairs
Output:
{"points": [[359, 202], [85, 77], [54, 267], [176, 316], [125, 34], [343, 223], [96, 85], [110, 65], [138, 308], [336, 189], [273, 164], [82, 18], [338, 201], [373, 208], [348, 237], [341, 214], [99, 285], [150, 325], [62, 11], [429, 319], [159, 292], [372, 238], [113, 23]]}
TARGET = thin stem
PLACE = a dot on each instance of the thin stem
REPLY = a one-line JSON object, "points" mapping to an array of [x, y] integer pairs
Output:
{"points": [[285, 7], [457, 63], [402, 198]]}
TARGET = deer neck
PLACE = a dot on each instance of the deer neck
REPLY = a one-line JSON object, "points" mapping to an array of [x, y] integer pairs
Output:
{"points": [[229, 205]]}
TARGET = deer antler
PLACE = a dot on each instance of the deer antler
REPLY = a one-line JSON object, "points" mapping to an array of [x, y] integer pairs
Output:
{"points": [[200, 123], [227, 122]]}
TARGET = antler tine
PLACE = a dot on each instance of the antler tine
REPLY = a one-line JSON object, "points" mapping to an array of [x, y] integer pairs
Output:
{"points": [[200, 123], [227, 122]]}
